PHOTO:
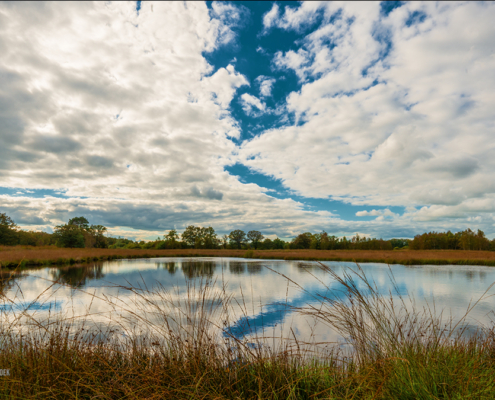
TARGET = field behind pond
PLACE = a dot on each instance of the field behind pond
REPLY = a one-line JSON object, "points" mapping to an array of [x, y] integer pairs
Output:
{"points": [[26, 255]]}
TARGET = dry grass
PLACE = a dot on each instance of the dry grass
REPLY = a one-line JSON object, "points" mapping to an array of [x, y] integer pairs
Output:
{"points": [[398, 353], [26, 255]]}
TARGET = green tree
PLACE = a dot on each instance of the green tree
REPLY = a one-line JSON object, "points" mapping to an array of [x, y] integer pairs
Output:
{"points": [[400, 243], [8, 231], [171, 241], [31, 238], [171, 236], [237, 237], [224, 241], [255, 237], [98, 233], [81, 222], [324, 241], [208, 238], [191, 235], [315, 242], [69, 235], [77, 233], [267, 244], [302, 241], [118, 243], [278, 244]]}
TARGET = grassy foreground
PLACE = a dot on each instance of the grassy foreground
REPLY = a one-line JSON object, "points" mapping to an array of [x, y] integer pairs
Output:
{"points": [[398, 353], [39, 256]]}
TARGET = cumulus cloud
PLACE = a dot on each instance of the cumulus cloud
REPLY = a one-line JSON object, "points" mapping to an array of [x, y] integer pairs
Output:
{"points": [[229, 16], [249, 102], [393, 109], [270, 18], [376, 213], [123, 113], [208, 193], [243, 208], [266, 85], [292, 17]]}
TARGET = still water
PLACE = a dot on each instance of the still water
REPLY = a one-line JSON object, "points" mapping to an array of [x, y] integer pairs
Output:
{"points": [[262, 293]]}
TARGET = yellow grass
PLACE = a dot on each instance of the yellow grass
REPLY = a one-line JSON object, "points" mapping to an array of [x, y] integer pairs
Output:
{"points": [[397, 351], [27, 255]]}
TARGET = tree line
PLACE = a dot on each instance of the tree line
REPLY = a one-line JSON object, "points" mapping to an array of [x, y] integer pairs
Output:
{"points": [[464, 240], [78, 233]]}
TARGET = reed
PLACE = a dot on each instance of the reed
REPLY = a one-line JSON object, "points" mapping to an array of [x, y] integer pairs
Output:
{"points": [[173, 347], [405, 352], [40, 256]]}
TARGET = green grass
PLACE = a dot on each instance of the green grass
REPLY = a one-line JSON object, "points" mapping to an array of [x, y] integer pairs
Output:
{"points": [[398, 352]]}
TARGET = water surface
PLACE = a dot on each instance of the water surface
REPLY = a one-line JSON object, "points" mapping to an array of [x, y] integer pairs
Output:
{"points": [[262, 291]]}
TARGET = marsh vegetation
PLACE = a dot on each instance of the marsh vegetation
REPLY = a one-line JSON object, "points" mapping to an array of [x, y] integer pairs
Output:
{"points": [[15, 256], [178, 347]]}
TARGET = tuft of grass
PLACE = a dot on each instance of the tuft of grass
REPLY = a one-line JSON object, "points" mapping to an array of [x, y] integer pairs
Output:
{"points": [[403, 352], [181, 351], [249, 254]]}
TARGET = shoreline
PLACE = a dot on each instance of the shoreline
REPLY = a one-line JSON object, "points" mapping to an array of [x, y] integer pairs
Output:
{"points": [[52, 256]]}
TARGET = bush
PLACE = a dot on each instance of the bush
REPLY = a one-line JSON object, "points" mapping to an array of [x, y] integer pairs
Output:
{"points": [[69, 236]]}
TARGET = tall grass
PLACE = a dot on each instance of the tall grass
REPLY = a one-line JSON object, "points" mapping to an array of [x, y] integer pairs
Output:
{"points": [[171, 345], [41, 256], [406, 352]]}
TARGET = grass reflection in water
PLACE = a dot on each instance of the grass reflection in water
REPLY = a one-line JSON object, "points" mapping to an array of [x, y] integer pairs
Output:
{"points": [[175, 345]]}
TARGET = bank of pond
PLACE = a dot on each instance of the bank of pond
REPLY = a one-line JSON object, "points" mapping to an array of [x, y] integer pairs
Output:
{"points": [[25, 256], [212, 328]]}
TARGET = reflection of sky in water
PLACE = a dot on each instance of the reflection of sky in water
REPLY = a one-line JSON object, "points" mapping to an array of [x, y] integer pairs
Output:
{"points": [[33, 306], [262, 294]]}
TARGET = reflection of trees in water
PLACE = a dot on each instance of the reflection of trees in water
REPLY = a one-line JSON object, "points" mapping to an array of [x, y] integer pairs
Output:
{"points": [[195, 269], [470, 275], [473, 274], [171, 267], [77, 276], [254, 268], [451, 273], [308, 266], [237, 267], [8, 279]]}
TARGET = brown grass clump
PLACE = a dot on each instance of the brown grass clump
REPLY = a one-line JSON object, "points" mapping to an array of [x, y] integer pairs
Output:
{"points": [[27, 255], [180, 353]]}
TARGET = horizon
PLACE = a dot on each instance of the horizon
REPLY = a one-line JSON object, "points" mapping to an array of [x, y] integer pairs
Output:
{"points": [[368, 118]]}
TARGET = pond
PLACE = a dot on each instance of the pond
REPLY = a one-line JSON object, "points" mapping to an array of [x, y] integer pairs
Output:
{"points": [[263, 294]]}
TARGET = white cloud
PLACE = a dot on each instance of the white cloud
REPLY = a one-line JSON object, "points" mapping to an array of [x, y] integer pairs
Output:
{"points": [[266, 85], [371, 213], [261, 50], [236, 207], [375, 213], [270, 18], [292, 18], [413, 129], [228, 17], [144, 68], [249, 101], [124, 115]]}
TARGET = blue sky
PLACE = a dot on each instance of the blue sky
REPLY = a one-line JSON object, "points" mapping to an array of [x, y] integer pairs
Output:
{"points": [[252, 54], [372, 118]]}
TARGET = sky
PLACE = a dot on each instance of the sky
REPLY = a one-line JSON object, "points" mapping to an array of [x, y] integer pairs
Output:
{"points": [[374, 118]]}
